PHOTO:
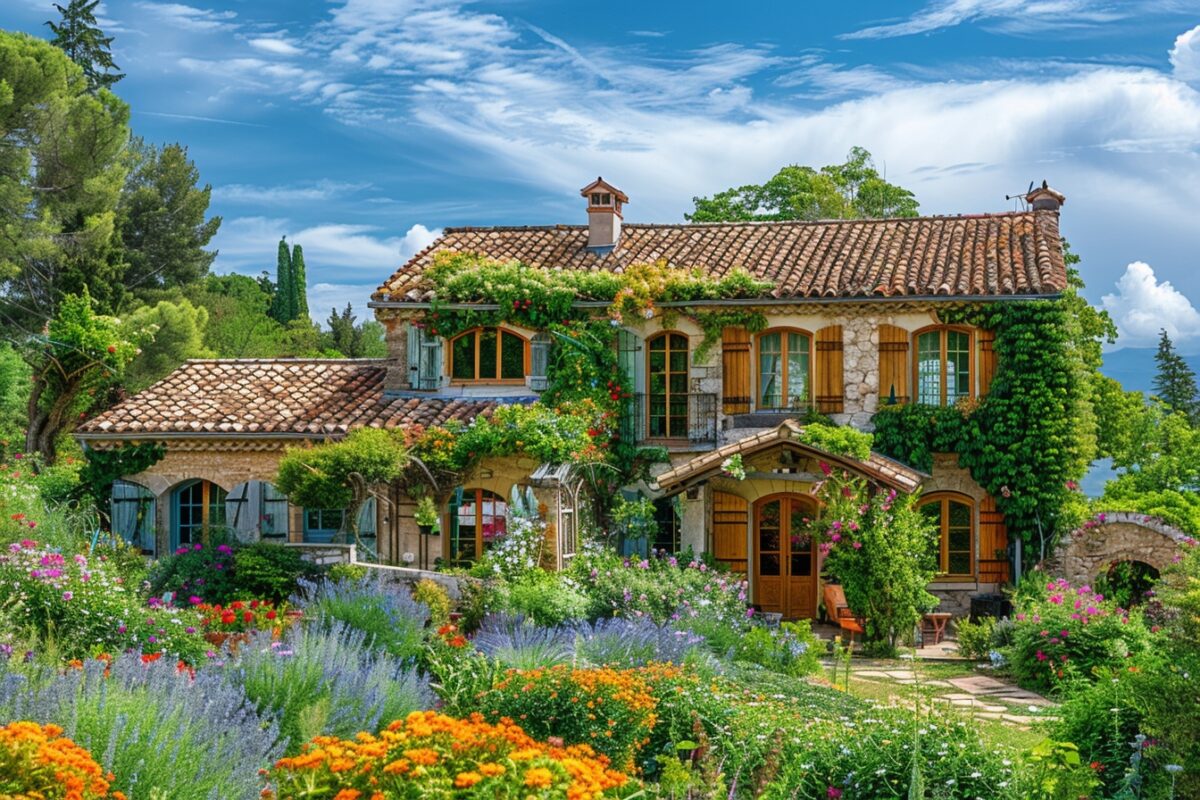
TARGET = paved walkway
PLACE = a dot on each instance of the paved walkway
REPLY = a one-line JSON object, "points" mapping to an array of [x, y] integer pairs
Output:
{"points": [[981, 695]]}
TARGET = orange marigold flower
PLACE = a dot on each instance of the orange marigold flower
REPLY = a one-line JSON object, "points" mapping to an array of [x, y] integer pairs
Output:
{"points": [[539, 778], [465, 780], [492, 770], [422, 755], [348, 794]]}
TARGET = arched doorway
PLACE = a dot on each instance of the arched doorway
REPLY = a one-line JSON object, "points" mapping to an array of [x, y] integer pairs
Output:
{"points": [[197, 506], [133, 514], [785, 559], [1127, 583]]}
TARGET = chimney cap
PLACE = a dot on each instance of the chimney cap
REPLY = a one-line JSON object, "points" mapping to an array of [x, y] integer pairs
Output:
{"points": [[602, 185], [1044, 198]]}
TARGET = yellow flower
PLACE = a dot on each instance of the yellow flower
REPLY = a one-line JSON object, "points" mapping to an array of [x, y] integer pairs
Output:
{"points": [[539, 778], [465, 780]]}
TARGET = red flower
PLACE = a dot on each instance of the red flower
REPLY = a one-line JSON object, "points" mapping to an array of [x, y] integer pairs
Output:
{"points": [[228, 617], [112, 348], [148, 657], [271, 614], [247, 616]]}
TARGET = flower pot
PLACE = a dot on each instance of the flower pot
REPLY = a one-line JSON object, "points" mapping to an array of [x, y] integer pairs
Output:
{"points": [[425, 530]]}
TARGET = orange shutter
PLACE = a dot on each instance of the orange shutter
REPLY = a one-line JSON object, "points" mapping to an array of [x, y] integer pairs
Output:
{"points": [[993, 543], [831, 388], [893, 364], [730, 515], [735, 366], [987, 361]]}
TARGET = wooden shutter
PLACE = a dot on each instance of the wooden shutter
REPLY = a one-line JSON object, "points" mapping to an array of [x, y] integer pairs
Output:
{"points": [[893, 364], [831, 388], [414, 356], [730, 514], [993, 539], [735, 370], [987, 361]]}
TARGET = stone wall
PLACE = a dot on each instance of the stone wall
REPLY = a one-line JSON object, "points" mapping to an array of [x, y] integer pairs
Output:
{"points": [[326, 555], [1114, 537]]}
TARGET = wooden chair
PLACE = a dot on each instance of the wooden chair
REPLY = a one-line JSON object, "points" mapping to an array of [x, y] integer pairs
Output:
{"points": [[838, 612]]}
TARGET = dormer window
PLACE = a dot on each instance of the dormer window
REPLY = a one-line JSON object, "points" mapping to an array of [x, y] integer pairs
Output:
{"points": [[489, 355]]}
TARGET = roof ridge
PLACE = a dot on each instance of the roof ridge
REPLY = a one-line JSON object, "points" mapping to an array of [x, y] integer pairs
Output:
{"points": [[287, 360]]}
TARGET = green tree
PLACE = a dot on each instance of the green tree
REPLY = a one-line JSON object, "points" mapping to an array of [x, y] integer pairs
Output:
{"points": [[161, 219], [239, 325], [14, 397], [354, 341], [851, 190], [1174, 380], [282, 309], [174, 332], [78, 35], [299, 284]]}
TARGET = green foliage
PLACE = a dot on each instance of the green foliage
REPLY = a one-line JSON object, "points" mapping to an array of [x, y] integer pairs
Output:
{"points": [[346, 572], [282, 309], [1101, 718], [14, 398], [547, 598], [974, 638], [1160, 463], [1058, 772], [269, 571], [299, 283], [882, 551], [354, 341], [790, 649], [173, 333], [433, 596], [842, 440], [634, 520], [77, 34], [1174, 380], [102, 468], [321, 476], [851, 190]]}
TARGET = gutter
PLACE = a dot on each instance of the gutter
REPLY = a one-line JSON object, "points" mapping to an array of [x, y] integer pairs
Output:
{"points": [[744, 302]]}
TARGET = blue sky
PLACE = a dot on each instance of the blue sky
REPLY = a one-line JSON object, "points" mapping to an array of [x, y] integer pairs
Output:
{"points": [[361, 127]]}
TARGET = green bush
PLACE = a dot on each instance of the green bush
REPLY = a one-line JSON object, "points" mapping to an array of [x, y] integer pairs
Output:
{"points": [[347, 572], [547, 598], [974, 638], [269, 571], [1101, 718], [790, 649], [225, 570], [434, 596]]}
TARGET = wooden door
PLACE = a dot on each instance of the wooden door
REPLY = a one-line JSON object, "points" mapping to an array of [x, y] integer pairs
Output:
{"points": [[785, 579]]}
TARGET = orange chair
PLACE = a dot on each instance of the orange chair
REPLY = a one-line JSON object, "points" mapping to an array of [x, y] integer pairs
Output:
{"points": [[837, 610]]}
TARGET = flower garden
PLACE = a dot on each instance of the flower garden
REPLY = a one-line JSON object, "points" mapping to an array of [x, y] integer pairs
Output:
{"points": [[240, 671]]}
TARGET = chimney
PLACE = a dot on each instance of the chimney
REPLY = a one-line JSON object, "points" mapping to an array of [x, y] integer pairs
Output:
{"points": [[604, 202], [1043, 198]]}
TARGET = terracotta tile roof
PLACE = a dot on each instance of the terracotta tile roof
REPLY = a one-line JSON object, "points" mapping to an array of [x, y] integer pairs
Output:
{"points": [[990, 254], [316, 397], [878, 468]]}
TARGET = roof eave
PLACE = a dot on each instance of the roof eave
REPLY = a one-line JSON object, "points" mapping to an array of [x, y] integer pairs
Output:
{"points": [[750, 301]]}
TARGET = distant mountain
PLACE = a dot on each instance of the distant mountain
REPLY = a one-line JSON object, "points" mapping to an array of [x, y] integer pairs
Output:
{"points": [[1134, 367]]}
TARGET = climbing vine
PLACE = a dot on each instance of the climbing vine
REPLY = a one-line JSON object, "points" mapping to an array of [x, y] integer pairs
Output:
{"points": [[103, 468], [1032, 437]]}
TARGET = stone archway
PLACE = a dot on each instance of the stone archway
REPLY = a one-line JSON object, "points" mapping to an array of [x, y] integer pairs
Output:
{"points": [[1113, 537]]}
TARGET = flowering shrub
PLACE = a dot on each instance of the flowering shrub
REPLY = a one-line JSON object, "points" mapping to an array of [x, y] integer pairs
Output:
{"points": [[790, 649], [242, 617], [520, 549], [37, 762], [548, 598], [514, 642], [428, 755], [225, 570], [88, 607], [617, 642], [386, 613], [611, 710], [661, 589], [1063, 632]]}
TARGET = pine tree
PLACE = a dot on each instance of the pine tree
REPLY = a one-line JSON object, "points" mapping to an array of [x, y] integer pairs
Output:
{"points": [[299, 284], [282, 310], [1174, 380], [78, 35]]}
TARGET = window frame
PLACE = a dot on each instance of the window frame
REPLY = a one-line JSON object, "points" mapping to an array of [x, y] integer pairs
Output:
{"points": [[784, 354], [648, 344], [943, 499], [942, 331], [477, 495], [495, 380]]}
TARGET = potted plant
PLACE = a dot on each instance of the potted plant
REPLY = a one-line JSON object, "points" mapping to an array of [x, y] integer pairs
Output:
{"points": [[426, 516]]}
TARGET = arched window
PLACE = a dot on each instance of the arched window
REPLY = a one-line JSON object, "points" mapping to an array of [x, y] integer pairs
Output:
{"points": [[666, 517], [954, 516], [133, 514], [197, 507], [784, 369], [943, 366], [667, 385], [491, 355], [477, 519]]}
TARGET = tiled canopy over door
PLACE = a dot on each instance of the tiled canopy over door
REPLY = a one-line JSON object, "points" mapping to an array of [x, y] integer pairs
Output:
{"points": [[735, 370], [831, 388], [893, 364]]}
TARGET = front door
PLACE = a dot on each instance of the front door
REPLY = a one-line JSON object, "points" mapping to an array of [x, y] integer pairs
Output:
{"points": [[785, 569]]}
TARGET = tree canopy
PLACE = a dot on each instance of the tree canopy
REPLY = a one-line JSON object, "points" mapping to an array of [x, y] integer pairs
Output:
{"points": [[851, 190], [1174, 380], [78, 35]]}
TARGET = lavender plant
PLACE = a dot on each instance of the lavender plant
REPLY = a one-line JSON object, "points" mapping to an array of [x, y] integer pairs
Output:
{"points": [[390, 619], [619, 642], [163, 732], [515, 642], [326, 680]]}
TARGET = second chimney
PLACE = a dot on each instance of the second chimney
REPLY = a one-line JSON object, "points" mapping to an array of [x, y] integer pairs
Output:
{"points": [[604, 203], [1043, 198]]}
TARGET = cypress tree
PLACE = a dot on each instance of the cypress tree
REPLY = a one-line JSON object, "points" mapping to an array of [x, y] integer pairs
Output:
{"points": [[77, 35], [282, 310], [299, 284], [1174, 380]]}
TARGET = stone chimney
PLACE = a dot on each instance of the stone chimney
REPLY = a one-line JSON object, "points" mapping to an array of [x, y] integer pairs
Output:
{"points": [[604, 203], [1043, 198]]}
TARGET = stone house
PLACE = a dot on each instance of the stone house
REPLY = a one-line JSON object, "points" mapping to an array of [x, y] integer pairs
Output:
{"points": [[855, 322]]}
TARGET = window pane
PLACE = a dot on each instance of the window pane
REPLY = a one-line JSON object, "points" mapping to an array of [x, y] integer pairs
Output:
{"points": [[768, 564], [667, 521], [958, 366], [770, 371], [960, 515], [929, 368], [463, 356], [797, 358], [487, 354], [512, 357], [959, 564], [959, 539]]}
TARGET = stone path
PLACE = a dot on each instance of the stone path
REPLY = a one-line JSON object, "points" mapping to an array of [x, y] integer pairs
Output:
{"points": [[981, 695]]}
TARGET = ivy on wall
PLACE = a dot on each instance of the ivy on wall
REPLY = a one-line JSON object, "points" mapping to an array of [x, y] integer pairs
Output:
{"points": [[103, 468]]}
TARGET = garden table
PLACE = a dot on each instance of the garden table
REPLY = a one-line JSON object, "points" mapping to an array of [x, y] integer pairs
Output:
{"points": [[935, 624]]}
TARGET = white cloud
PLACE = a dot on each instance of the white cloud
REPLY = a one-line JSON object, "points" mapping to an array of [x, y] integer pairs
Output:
{"points": [[281, 195], [1185, 56], [1014, 15], [1143, 306], [280, 47], [190, 18]]}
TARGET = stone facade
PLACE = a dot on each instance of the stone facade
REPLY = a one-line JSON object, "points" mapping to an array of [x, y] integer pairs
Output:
{"points": [[1115, 537], [326, 555]]}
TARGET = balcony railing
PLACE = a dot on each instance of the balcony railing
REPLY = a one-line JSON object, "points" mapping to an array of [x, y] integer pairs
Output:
{"points": [[679, 419]]}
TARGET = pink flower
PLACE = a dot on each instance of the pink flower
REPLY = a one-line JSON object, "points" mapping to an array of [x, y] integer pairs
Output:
{"points": [[1056, 599], [67, 595], [833, 792], [749, 613], [837, 537], [857, 545], [827, 471], [1041, 656], [194, 600]]}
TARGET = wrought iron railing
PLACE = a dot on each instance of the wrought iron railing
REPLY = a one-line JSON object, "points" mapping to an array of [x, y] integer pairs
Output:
{"points": [[685, 419]]}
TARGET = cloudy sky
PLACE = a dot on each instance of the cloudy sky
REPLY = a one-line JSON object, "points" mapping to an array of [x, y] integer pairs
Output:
{"points": [[361, 127]]}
